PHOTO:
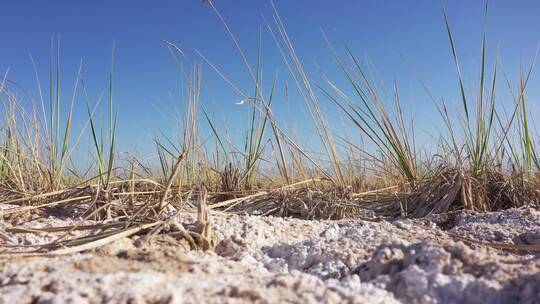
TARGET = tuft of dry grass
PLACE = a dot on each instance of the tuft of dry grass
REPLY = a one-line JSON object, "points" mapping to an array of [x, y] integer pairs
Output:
{"points": [[196, 236]]}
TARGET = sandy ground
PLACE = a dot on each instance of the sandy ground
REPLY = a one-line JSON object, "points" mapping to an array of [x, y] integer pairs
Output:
{"points": [[277, 260]]}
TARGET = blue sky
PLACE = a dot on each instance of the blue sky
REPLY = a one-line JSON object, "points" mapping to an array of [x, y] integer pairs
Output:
{"points": [[147, 82]]}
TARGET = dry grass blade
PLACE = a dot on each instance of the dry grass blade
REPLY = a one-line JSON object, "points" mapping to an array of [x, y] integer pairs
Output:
{"points": [[163, 202], [233, 202], [90, 245], [49, 204], [32, 197]]}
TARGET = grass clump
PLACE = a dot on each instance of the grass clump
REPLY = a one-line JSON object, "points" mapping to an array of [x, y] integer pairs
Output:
{"points": [[488, 160]]}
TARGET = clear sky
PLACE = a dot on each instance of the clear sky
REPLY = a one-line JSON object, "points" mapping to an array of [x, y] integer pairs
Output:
{"points": [[147, 89]]}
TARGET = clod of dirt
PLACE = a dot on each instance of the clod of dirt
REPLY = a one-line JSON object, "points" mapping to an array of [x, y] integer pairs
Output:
{"points": [[427, 273]]}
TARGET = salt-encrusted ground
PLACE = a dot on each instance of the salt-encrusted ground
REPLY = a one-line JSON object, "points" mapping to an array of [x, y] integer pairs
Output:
{"points": [[276, 260]]}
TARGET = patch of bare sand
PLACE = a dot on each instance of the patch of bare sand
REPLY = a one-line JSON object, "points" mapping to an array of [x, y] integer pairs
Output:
{"points": [[266, 259]]}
